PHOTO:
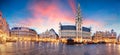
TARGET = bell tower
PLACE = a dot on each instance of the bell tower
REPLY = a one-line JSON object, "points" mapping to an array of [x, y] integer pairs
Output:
{"points": [[78, 23]]}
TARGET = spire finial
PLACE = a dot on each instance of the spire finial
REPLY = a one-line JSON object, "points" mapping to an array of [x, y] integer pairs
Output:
{"points": [[78, 5], [60, 23], [78, 17]]}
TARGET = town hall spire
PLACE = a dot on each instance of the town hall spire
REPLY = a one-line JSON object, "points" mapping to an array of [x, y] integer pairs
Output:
{"points": [[78, 23], [78, 15]]}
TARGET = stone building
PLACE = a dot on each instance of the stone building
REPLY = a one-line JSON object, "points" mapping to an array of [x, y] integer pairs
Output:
{"points": [[106, 36], [77, 31], [4, 29], [23, 33], [118, 39], [49, 34]]}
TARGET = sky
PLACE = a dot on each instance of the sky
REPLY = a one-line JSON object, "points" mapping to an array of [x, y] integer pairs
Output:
{"points": [[100, 15]]}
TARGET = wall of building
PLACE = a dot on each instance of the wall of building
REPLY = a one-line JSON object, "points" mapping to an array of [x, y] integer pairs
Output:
{"points": [[23, 33], [65, 34], [49, 34], [105, 36], [4, 29]]}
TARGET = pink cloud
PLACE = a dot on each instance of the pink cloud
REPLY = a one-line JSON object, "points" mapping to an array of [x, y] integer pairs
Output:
{"points": [[95, 25], [72, 5], [48, 15], [89, 22]]}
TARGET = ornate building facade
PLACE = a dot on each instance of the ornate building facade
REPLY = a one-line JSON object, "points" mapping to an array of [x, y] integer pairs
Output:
{"points": [[49, 34], [4, 29], [105, 36], [118, 39], [23, 33], [76, 32]]}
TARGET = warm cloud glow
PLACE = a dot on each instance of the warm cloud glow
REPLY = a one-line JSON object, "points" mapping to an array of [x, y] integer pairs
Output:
{"points": [[88, 22], [72, 5], [46, 15], [97, 25]]}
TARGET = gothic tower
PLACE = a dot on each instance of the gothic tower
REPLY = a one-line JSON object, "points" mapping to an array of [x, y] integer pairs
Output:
{"points": [[78, 23]]}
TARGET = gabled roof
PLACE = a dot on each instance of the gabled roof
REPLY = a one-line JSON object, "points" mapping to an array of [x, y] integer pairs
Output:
{"points": [[73, 27], [86, 29], [68, 27]]}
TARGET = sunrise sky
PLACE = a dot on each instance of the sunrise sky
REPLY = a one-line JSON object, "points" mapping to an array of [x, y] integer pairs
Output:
{"points": [[41, 15]]}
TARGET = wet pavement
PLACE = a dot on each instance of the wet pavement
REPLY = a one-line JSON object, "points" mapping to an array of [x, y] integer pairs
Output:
{"points": [[33, 48]]}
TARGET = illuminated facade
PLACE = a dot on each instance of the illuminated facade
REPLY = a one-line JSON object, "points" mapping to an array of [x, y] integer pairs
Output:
{"points": [[105, 36], [76, 32], [23, 33], [49, 34], [4, 29], [118, 39]]}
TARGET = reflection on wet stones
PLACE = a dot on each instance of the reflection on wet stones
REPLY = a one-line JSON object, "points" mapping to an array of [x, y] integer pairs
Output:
{"points": [[32, 48]]}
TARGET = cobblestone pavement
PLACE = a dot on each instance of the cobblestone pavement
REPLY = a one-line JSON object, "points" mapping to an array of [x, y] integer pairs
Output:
{"points": [[33, 48]]}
